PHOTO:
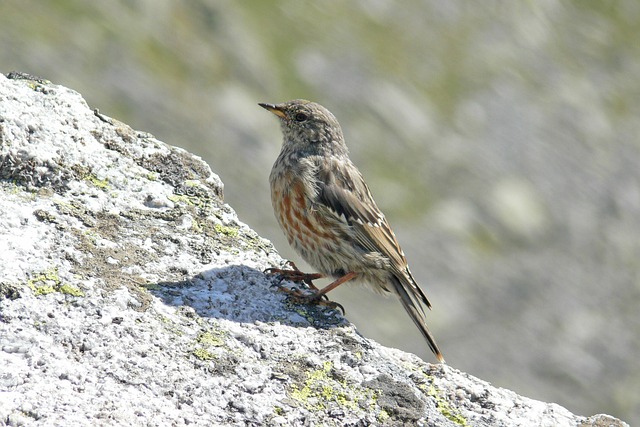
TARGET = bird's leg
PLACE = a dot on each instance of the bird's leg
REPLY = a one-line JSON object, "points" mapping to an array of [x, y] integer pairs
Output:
{"points": [[315, 296], [331, 286], [319, 296], [295, 275]]}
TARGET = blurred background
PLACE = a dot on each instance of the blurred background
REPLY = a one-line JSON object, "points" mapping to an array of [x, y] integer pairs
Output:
{"points": [[500, 139]]}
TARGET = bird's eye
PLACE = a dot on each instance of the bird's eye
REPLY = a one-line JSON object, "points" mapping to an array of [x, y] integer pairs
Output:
{"points": [[300, 117]]}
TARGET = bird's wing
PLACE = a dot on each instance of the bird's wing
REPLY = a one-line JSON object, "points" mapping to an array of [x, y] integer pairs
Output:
{"points": [[343, 190], [346, 194]]}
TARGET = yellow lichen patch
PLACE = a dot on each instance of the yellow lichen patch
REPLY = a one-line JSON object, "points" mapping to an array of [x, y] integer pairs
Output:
{"points": [[205, 342], [183, 199], [67, 289], [383, 416], [192, 196], [100, 183], [320, 390], [207, 338], [203, 354], [227, 231], [49, 282], [446, 409]]}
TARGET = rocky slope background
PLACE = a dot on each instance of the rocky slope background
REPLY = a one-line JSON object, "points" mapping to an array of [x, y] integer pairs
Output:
{"points": [[130, 294], [500, 138]]}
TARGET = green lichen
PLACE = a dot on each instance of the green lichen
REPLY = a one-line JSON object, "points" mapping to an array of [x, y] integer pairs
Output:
{"points": [[84, 173], [320, 390], [203, 354], [49, 282], [192, 194], [44, 283], [184, 199], [99, 183], [383, 416], [43, 290], [14, 188], [446, 409], [209, 339], [196, 227], [67, 289], [227, 231], [170, 325]]}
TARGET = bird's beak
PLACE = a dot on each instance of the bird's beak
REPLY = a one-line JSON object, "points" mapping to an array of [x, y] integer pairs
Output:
{"points": [[273, 108]]}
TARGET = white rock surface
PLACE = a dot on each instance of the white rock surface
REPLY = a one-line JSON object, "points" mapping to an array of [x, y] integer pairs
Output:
{"points": [[130, 294]]}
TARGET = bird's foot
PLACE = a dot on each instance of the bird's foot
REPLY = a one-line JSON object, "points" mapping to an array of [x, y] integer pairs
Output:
{"points": [[312, 295]]}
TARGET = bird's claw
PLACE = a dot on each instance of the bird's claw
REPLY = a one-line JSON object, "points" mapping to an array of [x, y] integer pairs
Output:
{"points": [[308, 296], [311, 297]]}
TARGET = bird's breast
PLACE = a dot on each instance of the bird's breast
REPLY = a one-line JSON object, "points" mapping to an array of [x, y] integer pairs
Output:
{"points": [[306, 229]]}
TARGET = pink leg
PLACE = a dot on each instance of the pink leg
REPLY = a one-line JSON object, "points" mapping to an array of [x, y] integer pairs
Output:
{"points": [[336, 283]]}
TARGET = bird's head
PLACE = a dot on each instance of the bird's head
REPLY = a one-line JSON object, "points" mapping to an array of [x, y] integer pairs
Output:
{"points": [[308, 124]]}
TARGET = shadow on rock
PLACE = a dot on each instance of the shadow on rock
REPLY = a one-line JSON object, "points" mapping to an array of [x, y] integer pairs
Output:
{"points": [[243, 294]]}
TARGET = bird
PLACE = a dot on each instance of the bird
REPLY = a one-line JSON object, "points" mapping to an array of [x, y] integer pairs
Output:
{"points": [[328, 215]]}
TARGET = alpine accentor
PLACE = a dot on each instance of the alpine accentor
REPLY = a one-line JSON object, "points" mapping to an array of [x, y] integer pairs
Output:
{"points": [[325, 209]]}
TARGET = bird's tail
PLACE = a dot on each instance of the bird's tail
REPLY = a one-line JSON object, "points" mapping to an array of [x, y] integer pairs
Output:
{"points": [[412, 299]]}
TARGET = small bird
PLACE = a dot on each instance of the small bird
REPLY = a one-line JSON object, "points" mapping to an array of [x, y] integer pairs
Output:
{"points": [[328, 215]]}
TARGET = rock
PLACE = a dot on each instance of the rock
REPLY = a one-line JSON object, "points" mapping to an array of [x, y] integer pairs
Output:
{"points": [[130, 294]]}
